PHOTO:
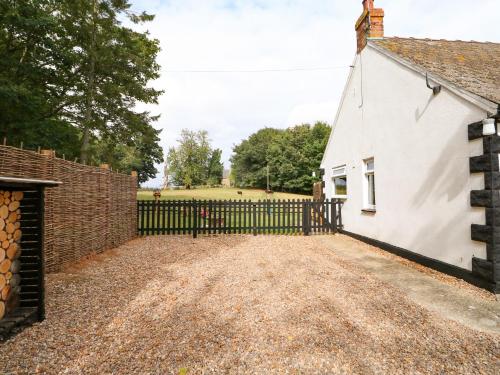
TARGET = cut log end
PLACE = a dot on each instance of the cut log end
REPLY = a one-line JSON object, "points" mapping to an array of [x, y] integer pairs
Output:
{"points": [[5, 265], [10, 228], [18, 195], [4, 211], [13, 206], [12, 251], [5, 292]]}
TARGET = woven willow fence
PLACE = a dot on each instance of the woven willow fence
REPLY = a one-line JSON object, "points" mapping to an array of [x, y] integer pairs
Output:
{"points": [[93, 209]]}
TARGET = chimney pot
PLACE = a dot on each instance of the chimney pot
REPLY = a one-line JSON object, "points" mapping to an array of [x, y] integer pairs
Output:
{"points": [[368, 4]]}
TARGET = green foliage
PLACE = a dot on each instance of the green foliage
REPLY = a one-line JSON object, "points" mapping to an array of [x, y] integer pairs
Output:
{"points": [[32, 72], [249, 159], [71, 75], [189, 162], [292, 156], [139, 154], [215, 168]]}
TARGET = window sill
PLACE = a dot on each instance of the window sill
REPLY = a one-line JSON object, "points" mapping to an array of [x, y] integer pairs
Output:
{"points": [[339, 197], [369, 210]]}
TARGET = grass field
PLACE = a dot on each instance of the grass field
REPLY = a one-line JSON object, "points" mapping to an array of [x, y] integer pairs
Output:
{"points": [[218, 193]]}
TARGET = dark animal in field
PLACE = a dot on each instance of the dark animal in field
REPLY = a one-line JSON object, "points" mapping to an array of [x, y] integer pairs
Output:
{"points": [[240, 192]]}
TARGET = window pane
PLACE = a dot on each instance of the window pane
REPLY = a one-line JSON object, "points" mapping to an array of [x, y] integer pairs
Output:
{"points": [[371, 189], [340, 185]]}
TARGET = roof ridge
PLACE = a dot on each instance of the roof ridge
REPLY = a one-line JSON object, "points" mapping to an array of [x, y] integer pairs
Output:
{"points": [[438, 40]]}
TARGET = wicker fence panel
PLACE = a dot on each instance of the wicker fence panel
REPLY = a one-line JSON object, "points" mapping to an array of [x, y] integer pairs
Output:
{"points": [[93, 209]]}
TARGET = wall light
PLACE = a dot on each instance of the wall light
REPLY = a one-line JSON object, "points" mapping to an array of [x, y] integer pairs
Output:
{"points": [[489, 126]]}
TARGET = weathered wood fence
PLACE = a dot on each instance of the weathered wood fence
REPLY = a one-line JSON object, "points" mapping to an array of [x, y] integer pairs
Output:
{"points": [[238, 217]]}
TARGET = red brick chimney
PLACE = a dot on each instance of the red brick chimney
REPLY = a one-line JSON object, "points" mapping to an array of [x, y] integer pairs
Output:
{"points": [[370, 24]]}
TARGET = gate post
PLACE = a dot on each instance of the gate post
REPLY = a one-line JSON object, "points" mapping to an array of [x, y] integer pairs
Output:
{"points": [[334, 215], [340, 214], [254, 224], [305, 219], [195, 219]]}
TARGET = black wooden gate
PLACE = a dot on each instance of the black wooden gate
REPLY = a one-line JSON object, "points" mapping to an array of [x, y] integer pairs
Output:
{"points": [[238, 217]]}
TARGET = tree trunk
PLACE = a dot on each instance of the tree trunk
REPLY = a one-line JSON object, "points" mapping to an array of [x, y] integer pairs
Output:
{"points": [[89, 96]]}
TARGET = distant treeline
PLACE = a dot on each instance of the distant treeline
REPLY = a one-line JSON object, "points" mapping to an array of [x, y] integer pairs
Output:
{"points": [[292, 155]]}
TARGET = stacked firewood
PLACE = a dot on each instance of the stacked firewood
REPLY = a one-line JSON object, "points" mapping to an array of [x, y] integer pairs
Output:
{"points": [[10, 237]]}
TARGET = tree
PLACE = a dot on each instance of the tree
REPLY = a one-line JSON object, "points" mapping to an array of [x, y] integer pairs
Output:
{"points": [[71, 75], [295, 155], [34, 72], [112, 65], [215, 168], [292, 156], [139, 154], [189, 161], [249, 159]]}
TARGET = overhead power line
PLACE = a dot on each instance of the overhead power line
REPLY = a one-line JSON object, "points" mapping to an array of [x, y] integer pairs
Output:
{"points": [[261, 70]]}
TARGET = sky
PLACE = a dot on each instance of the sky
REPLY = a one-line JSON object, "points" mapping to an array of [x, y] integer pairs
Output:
{"points": [[301, 50]]}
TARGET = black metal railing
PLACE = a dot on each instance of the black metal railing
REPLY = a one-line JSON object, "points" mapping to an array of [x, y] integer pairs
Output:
{"points": [[238, 217]]}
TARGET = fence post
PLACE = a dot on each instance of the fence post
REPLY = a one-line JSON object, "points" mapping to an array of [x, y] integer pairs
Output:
{"points": [[195, 219], [305, 219], [334, 215], [254, 206], [340, 214], [139, 229]]}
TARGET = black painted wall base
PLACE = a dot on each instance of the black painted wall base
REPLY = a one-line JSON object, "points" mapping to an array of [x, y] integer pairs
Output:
{"points": [[437, 265]]}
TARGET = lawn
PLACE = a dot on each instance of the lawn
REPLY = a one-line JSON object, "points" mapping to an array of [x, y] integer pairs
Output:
{"points": [[219, 193]]}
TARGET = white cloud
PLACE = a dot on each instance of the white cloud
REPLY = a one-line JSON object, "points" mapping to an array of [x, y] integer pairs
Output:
{"points": [[250, 35]]}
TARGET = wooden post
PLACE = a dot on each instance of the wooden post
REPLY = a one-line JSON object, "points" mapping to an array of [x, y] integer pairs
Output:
{"points": [[254, 206], [104, 166], [195, 219], [333, 219], [305, 221], [340, 226], [138, 218], [48, 153]]}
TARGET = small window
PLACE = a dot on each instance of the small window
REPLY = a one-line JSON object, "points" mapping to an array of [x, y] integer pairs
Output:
{"points": [[340, 182], [370, 200]]}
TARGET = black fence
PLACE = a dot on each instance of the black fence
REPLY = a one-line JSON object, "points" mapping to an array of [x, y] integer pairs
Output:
{"points": [[238, 217]]}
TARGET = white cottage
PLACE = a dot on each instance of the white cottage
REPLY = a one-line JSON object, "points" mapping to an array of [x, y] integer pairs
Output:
{"points": [[414, 150]]}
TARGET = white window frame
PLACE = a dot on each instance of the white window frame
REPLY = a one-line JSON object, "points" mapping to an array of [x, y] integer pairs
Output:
{"points": [[367, 172], [340, 171]]}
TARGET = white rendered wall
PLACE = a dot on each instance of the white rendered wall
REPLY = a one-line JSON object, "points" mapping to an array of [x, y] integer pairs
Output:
{"points": [[421, 151]]}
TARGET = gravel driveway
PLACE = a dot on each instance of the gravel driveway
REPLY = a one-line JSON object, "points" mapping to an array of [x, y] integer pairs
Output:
{"points": [[237, 304]]}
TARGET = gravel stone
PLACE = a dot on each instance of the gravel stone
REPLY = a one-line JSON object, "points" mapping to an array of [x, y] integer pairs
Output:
{"points": [[237, 304]]}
